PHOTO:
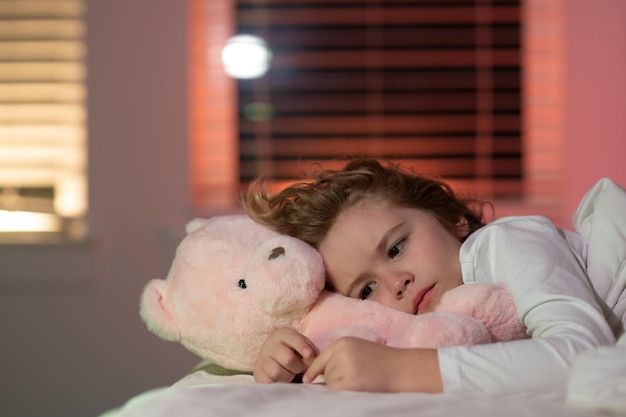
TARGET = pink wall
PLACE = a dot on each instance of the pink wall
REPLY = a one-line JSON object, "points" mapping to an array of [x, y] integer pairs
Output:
{"points": [[72, 338], [595, 96]]}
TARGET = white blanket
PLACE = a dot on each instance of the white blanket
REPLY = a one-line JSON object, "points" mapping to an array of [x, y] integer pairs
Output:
{"points": [[204, 395], [598, 378]]}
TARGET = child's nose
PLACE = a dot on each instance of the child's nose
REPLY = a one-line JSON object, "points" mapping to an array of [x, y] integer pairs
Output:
{"points": [[399, 284], [401, 288]]}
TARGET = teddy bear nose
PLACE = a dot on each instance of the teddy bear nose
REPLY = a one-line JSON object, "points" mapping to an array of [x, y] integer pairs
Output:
{"points": [[276, 252]]}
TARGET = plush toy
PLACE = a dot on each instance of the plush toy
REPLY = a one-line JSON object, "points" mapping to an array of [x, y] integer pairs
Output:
{"points": [[233, 282]]}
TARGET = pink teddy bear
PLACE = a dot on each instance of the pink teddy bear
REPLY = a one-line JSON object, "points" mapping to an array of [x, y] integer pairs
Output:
{"points": [[233, 282]]}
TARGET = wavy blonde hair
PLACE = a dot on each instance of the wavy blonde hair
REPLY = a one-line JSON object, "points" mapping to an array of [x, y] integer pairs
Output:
{"points": [[308, 209]]}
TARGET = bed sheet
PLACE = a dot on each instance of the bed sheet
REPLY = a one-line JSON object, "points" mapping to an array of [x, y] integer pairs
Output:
{"points": [[596, 388], [206, 395]]}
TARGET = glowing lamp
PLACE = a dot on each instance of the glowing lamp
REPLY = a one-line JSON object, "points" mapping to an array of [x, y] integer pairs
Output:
{"points": [[246, 56]]}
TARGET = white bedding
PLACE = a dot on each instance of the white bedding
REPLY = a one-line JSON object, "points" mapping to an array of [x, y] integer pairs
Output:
{"points": [[597, 389], [278, 400]]}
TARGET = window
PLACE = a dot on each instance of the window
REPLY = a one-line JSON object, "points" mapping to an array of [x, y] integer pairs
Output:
{"points": [[435, 84], [43, 184], [461, 87]]}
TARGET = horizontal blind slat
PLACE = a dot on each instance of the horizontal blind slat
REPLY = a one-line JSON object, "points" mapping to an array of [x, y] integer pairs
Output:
{"points": [[391, 59], [42, 92], [375, 124], [345, 15], [415, 145]]}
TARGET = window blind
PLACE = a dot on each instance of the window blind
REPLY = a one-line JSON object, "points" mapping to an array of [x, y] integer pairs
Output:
{"points": [[43, 184], [434, 84]]}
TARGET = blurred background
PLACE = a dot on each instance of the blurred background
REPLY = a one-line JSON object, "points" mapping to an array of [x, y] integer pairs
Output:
{"points": [[119, 123]]}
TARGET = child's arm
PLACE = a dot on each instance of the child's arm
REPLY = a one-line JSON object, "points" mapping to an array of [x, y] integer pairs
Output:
{"points": [[284, 354], [359, 365], [555, 300]]}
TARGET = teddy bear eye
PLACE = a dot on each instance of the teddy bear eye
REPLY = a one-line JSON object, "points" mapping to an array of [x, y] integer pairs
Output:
{"points": [[242, 284], [276, 252]]}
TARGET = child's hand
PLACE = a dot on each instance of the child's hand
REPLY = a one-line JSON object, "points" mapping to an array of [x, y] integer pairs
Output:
{"points": [[284, 354], [355, 364], [352, 364]]}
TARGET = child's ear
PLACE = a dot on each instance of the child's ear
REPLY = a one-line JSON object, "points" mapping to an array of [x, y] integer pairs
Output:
{"points": [[462, 228]]}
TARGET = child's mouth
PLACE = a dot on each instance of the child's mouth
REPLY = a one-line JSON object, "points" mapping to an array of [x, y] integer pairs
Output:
{"points": [[422, 299]]}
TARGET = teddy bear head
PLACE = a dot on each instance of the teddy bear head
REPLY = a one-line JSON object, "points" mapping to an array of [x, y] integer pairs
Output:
{"points": [[232, 282]]}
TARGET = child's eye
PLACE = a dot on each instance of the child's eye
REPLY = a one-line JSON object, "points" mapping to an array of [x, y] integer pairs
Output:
{"points": [[396, 249], [367, 291]]}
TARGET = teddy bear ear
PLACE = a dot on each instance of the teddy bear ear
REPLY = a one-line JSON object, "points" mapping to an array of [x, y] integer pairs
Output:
{"points": [[194, 225], [155, 314]]}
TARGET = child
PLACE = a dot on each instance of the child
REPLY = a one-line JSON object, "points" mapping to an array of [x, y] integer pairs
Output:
{"points": [[404, 240]]}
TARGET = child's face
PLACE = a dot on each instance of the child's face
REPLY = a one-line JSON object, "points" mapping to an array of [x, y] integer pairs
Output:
{"points": [[401, 257]]}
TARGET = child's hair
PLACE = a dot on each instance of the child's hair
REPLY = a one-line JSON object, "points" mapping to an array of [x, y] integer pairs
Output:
{"points": [[308, 209]]}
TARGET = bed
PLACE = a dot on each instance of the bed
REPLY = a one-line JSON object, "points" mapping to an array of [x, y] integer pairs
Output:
{"points": [[597, 388], [596, 385]]}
